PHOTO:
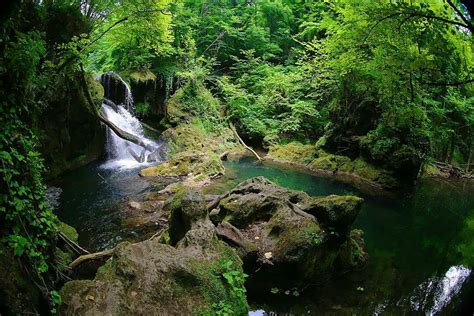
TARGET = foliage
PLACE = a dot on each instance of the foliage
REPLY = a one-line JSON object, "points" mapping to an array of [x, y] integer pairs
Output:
{"points": [[384, 74], [142, 108], [133, 33], [28, 225], [234, 278], [270, 99]]}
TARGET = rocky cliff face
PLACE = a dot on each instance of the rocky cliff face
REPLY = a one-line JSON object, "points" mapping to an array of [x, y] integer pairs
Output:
{"points": [[71, 133]]}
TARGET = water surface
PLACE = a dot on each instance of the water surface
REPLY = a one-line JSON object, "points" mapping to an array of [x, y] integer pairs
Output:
{"points": [[412, 238], [417, 241]]}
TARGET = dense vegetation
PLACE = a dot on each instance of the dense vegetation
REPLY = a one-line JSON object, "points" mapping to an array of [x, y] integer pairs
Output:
{"points": [[388, 81]]}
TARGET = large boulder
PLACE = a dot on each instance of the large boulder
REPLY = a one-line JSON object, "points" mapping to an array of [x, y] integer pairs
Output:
{"points": [[287, 238], [198, 274]]}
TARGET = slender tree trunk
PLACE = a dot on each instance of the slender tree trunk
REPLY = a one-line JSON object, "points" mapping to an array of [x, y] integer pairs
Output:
{"points": [[468, 166], [451, 149]]}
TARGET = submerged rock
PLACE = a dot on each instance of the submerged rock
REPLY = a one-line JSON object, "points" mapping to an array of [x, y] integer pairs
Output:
{"points": [[287, 238], [197, 275]]}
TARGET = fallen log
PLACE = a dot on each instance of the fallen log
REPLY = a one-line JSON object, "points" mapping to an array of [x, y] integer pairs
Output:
{"points": [[453, 171], [111, 104], [92, 256], [232, 127], [124, 134]]}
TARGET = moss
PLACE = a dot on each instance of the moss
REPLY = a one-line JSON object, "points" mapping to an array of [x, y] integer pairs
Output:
{"points": [[372, 173], [143, 75], [294, 152], [191, 101], [432, 170], [212, 285], [68, 230], [75, 287], [324, 163], [295, 238], [199, 165], [366, 170], [186, 137], [330, 162], [18, 293], [96, 89]]}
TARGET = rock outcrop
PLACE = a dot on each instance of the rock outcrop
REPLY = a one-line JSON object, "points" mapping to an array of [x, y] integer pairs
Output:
{"points": [[192, 168], [357, 172], [281, 238], [195, 274], [287, 238], [71, 134]]}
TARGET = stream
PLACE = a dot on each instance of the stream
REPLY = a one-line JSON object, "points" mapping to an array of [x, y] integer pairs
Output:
{"points": [[419, 242]]}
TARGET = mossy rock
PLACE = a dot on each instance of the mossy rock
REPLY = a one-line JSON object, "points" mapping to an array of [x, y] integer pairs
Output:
{"points": [[192, 137], [143, 278], [197, 276], [335, 211], [290, 231], [324, 163], [372, 173], [193, 100], [186, 207], [293, 152], [68, 230], [190, 163]]}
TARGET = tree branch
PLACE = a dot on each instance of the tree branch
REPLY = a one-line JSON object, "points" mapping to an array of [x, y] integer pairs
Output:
{"points": [[421, 15], [461, 15], [138, 13], [124, 134], [449, 84]]}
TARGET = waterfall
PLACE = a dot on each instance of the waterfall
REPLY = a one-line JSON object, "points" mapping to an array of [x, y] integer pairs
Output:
{"points": [[122, 153], [116, 89], [434, 295]]}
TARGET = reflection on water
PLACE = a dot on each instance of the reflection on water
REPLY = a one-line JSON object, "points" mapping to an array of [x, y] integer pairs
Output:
{"points": [[420, 243], [88, 202], [419, 236]]}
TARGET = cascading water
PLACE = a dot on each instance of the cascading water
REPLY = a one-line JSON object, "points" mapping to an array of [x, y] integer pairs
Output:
{"points": [[433, 296], [120, 152], [116, 89]]}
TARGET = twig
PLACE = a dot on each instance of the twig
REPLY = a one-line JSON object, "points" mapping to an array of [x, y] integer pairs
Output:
{"points": [[73, 244]]}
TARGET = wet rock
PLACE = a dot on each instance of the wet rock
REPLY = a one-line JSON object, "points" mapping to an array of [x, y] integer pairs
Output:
{"points": [[186, 208], [309, 238], [134, 205]]}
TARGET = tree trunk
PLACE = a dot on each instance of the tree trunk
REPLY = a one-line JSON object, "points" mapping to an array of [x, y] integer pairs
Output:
{"points": [[232, 127], [468, 166], [123, 134]]}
